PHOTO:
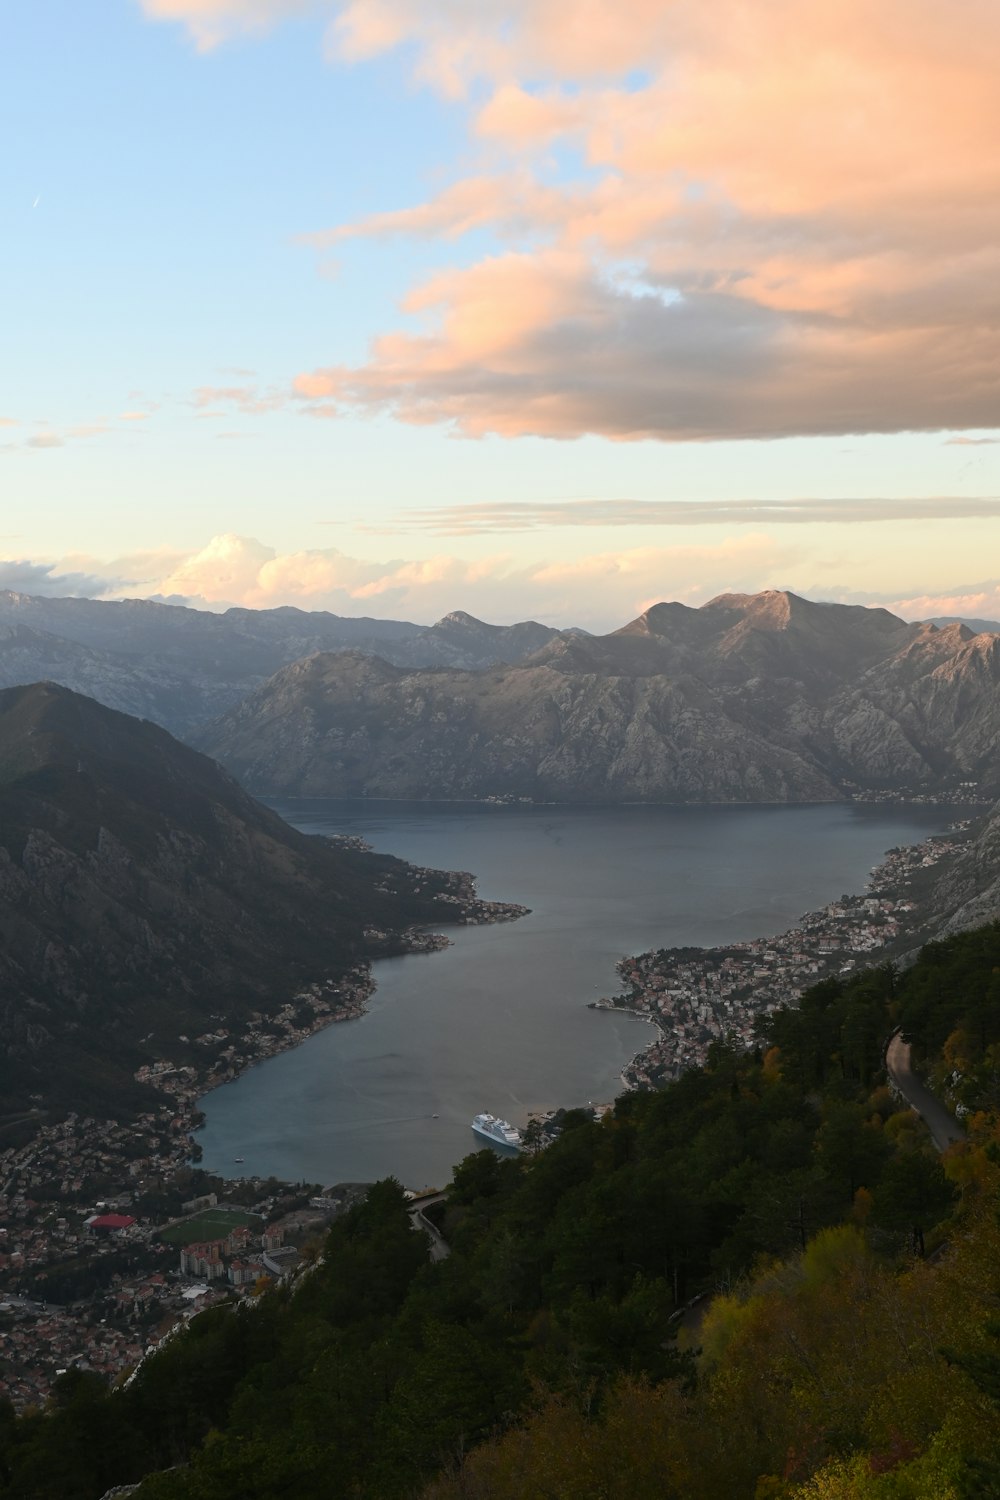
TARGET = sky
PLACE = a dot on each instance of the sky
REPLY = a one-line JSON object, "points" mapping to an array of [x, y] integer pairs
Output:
{"points": [[530, 308]]}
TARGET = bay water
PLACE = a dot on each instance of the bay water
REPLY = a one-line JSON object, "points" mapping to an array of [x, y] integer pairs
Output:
{"points": [[499, 1020]]}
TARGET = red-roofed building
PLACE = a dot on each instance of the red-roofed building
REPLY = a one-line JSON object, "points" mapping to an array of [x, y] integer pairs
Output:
{"points": [[109, 1223]]}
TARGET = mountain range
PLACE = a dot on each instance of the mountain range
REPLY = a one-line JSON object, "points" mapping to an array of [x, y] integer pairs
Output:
{"points": [[181, 667], [751, 698]]}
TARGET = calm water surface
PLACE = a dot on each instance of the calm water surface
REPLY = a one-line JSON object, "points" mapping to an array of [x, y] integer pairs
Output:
{"points": [[498, 1021]]}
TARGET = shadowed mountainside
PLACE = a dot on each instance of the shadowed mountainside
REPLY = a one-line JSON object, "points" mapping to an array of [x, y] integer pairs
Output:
{"points": [[142, 890]]}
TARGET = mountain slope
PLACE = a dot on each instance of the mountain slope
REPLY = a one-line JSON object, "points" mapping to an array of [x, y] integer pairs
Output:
{"points": [[141, 890], [751, 698], [151, 689]]}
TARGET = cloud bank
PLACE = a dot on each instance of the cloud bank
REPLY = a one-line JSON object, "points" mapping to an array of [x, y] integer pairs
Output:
{"points": [[55, 581], [711, 221], [238, 570], [600, 590]]}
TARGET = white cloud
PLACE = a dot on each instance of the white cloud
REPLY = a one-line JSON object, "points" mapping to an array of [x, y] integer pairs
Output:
{"points": [[601, 590]]}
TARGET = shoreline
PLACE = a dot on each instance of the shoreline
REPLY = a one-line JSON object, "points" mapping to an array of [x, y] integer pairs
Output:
{"points": [[945, 797], [420, 940], [331, 1001], [697, 996]]}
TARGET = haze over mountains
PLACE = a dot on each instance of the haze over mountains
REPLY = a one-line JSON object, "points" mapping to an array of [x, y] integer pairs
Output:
{"points": [[143, 891], [751, 698], [181, 667]]}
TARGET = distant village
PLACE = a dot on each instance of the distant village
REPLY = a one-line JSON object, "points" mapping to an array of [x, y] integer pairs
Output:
{"points": [[697, 996]]}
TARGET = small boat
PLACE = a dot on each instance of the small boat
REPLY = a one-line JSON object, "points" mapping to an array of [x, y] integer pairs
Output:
{"points": [[238, 1159]]}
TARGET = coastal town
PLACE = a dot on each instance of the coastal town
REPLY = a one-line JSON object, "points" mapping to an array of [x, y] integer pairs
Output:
{"points": [[101, 1252], [697, 996], [111, 1234]]}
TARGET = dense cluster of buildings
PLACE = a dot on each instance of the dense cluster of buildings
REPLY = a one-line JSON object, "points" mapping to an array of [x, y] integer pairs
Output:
{"points": [[87, 1278], [91, 1283], [696, 996], [240, 1257]]}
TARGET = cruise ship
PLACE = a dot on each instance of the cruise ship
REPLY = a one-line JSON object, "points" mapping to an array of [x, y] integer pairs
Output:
{"points": [[498, 1131]]}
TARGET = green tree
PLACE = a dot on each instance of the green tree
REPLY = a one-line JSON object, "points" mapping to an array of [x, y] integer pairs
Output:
{"points": [[913, 1195]]}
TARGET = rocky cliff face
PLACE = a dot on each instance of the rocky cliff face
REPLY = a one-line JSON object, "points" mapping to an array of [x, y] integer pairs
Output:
{"points": [[180, 667], [142, 891], [967, 893], [147, 688], [750, 698]]}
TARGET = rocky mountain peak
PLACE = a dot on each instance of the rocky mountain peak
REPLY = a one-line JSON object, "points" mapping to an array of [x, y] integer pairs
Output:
{"points": [[461, 618], [770, 609]]}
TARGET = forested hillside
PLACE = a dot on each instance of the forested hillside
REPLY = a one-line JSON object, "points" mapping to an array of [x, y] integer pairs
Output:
{"points": [[543, 1358], [142, 892]]}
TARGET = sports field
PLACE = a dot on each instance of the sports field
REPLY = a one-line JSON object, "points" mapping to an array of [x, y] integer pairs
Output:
{"points": [[210, 1224]]}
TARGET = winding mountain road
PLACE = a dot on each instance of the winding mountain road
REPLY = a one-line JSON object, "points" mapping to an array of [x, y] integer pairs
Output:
{"points": [[941, 1123], [440, 1249]]}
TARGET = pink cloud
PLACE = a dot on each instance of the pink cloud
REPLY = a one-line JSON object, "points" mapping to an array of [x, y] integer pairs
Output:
{"points": [[519, 202], [213, 21], [790, 225], [600, 589], [788, 221], [979, 602], [213, 400], [544, 344]]}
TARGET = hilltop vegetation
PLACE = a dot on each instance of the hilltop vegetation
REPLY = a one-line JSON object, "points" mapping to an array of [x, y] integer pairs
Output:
{"points": [[540, 1360]]}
